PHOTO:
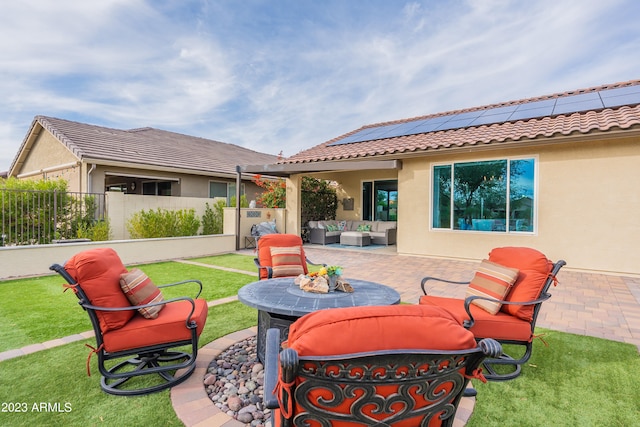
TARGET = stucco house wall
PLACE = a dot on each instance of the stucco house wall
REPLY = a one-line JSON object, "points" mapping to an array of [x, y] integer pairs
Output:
{"points": [[586, 158], [587, 200]]}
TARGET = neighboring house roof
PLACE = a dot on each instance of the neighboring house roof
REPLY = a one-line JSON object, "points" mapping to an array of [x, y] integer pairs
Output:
{"points": [[582, 120], [144, 146]]}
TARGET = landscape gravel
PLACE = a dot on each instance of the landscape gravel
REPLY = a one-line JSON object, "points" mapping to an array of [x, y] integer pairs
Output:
{"points": [[235, 384]]}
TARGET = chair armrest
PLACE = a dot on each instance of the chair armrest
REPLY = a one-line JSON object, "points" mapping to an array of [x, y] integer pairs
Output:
{"points": [[269, 398], [490, 347], [313, 263], [426, 279], [269, 269], [182, 282], [467, 303]]}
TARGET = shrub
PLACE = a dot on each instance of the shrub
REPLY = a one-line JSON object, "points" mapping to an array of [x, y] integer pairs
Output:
{"points": [[212, 220], [100, 231], [163, 223]]}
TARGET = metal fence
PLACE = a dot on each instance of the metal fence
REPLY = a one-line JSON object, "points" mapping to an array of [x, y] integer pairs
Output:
{"points": [[31, 217]]}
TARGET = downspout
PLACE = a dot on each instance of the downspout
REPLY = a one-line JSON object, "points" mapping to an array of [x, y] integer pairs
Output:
{"points": [[89, 180], [238, 183]]}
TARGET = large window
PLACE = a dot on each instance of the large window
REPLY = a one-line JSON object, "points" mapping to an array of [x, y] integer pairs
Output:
{"points": [[495, 195], [380, 200]]}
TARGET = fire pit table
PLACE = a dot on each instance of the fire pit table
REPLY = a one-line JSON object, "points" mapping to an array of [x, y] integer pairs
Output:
{"points": [[280, 302]]}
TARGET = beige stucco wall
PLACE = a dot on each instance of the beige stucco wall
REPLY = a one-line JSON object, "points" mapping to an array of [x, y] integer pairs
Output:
{"points": [[120, 208], [588, 200], [46, 154], [249, 217], [21, 261]]}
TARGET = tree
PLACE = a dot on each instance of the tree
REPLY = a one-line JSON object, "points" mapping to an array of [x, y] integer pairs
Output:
{"points": [[319, 199]]}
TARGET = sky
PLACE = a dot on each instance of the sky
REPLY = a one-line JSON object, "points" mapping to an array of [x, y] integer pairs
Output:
{"points": [[286, 75]]}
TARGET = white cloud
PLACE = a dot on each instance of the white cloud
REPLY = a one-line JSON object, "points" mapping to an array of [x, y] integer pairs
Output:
{"points": [[289, 75]]}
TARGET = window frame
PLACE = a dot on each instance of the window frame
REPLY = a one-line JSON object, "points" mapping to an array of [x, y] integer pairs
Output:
{"points": [[371, 210], [508, 159], [231, 192]]}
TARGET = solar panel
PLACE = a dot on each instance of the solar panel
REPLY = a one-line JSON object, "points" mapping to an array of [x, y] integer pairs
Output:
{"points": [[617, 101], [574, 107], [620, 91], [492, 118], [531, 113], [583, 97], [456, 124], [537, 104], [598, 100]]}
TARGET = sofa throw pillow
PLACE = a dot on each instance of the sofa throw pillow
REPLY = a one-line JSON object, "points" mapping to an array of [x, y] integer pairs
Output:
{"points": [[140, 290], [364, 227], [285, 261], [491, 280], [342, 225]]}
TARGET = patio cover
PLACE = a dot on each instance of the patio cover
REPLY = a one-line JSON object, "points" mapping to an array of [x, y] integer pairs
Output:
{"points": [[287, 169]]}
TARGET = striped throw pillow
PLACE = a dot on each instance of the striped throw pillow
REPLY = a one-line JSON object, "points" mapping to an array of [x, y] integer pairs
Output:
{"points": [[140, 290], [494, 281], [286, 261]]}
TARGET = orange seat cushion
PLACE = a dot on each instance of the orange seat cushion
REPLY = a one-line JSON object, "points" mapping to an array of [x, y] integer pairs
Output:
{"points": [[499, 326], [278, 240], [98, 271], [534, 269], [169, 326]]}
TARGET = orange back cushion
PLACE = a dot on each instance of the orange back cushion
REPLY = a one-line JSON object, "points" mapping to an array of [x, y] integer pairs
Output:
{"points": [[278, 240], [98, 273], [375, 328], [350, 330], [534, 269]]}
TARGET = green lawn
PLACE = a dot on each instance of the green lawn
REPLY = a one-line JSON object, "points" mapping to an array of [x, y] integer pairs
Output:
{"points": [[59, 375], [25, 303], [575, 381]]}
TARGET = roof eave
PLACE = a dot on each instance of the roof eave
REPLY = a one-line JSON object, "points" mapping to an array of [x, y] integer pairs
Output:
{"points": [[288, 169]]}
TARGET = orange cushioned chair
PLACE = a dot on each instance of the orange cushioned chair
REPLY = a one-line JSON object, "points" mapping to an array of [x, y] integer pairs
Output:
{"points": [[395, 366], [132, 321], [281, 255], [502, 302]]}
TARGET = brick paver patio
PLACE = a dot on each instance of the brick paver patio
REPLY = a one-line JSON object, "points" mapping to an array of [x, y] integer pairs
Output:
{"points": [[598, 305]]}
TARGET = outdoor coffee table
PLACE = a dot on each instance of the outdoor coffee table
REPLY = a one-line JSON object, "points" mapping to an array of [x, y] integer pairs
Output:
{"points": [[280, 302], [355, 238]]}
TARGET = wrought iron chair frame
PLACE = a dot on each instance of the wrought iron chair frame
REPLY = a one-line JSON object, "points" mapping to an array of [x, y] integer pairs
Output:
{"points": [[342, 385], [488, 365], [172, 366]]}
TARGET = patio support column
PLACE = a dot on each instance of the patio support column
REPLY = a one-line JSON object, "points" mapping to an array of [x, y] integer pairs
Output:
{"points": [[294, 204], [238, 209]]}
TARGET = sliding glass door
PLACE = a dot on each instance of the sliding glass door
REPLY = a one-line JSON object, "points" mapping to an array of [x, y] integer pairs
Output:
{"points": [[380, 200]]}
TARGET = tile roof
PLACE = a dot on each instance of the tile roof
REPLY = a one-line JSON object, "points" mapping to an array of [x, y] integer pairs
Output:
{"points": [[585, 122], [149, 146]]}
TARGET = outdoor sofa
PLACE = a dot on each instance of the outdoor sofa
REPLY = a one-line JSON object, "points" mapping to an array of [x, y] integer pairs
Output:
{"points": [[324, 232]]}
